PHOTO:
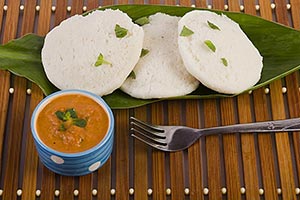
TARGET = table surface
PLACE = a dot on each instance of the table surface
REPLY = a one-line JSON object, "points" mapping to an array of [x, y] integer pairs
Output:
{"points": [[234, 166]]}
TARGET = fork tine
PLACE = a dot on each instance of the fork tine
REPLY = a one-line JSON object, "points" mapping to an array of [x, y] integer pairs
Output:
{"points": [[133, 119], [147, 135], [157, 146], [147, 130]]}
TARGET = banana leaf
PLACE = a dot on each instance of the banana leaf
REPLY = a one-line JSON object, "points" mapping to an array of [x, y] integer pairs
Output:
{"points": [[278, 44], [23, 58]]}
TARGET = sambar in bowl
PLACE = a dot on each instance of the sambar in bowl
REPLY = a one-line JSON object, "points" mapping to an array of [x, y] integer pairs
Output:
{"points": [[73, 131]]}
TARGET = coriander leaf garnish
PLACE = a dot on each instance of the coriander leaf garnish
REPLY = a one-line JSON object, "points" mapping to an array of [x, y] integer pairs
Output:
{"points": [[224, 61], [142, 21], [144, 52], [212, 25], [72, 112], [186, 32], [69, 117], [79, 122], [210, 45], [62, 127], [120, 31], [60, 115], [132, 75], [100, 61]]}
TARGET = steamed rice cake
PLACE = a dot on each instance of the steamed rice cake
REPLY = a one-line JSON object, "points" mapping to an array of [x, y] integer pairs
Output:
{"points": [[96, 52], [160, 72], [217, 52]]}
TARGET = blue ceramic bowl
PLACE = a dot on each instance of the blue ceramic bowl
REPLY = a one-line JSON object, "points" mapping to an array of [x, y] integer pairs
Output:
{"points": [[74, 164]]}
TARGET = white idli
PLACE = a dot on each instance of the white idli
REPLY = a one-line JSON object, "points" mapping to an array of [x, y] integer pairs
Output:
{"points": [[71, 51], [233, 67], [160, 73]]}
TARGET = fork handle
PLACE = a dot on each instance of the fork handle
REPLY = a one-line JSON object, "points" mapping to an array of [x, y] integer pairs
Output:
{"points": [[257, 127]]}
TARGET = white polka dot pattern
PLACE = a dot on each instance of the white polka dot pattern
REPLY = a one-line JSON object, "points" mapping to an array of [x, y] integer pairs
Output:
{"points": [[94, 166], [57, 159]]}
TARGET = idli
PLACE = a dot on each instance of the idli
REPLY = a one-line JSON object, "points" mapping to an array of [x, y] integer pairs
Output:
{"points": [[217, 52], [96, 52], [160, 71]]}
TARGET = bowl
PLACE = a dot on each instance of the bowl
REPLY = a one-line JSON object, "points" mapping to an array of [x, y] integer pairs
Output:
{"points": [[73, 131]]}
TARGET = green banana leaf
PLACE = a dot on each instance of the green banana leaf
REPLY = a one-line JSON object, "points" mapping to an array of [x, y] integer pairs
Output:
{"points": [[23, 58], [278, 44]]}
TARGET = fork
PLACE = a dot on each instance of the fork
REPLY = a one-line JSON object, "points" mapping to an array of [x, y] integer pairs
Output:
{"points": [[177, 138]]}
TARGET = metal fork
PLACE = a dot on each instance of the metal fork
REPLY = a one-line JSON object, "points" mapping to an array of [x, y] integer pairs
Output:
{"points": [[176, 138]]}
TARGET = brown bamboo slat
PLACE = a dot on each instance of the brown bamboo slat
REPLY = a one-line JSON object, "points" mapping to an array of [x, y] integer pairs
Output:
{"points": [[176, 158], [92, 4], [265, 147], [85, 187], [158, 157], [122, 157], [107, 2], [170, 2], [248, 149], [1, 13], [268, 164], [44, 17], [260, 161], [31, 160], [14, 133], [282, 143], [219, 5], [15, 137], [4, 80], [154, 1], [295, 12], [60, 11], [76, 7], [214, 164], [67, 187], [293, 100], [29, 15], [282, 140], [140, 160], [234, 5], [293, 91], [265, 9], [250, 7], [281, 12], [185, 3], [104, 180], [230, 145], [138, 2], [194, 155], [250, 165], [48, 186], [31, 156], [201, 3]]}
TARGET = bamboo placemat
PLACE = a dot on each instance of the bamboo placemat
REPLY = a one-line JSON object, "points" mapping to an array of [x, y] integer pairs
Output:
{"points": [[235, 166]]}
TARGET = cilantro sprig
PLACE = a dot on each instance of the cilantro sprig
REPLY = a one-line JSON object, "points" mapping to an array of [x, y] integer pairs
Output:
{"points": [[144, 52], [101, 61], [213, 26], [120, 31], [132, 75], [210, 45], [142, 21], [185, 32], [224, 61], [69, 117]]}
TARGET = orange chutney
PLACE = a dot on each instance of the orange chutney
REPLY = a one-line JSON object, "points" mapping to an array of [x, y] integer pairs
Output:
{"points": [[63, 134]]}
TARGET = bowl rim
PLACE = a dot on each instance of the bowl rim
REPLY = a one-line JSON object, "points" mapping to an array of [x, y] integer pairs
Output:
{"points": [[52, 96]]}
